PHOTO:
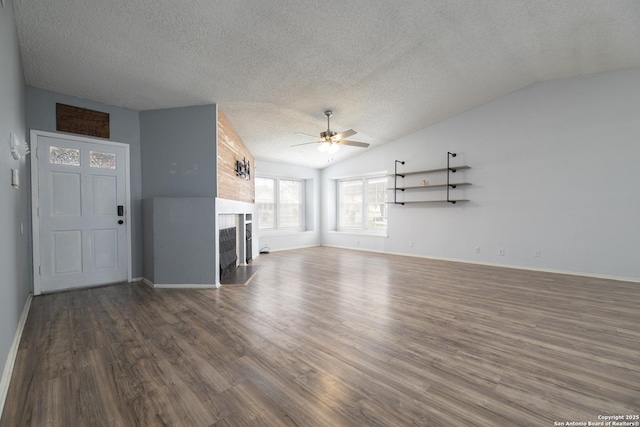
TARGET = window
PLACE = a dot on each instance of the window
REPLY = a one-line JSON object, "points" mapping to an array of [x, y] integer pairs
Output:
{"points": [[290, 204], [266, 201], [376, 203], [98, 159], [280, 203], [362, 204], [351, 202], [64, 156]]}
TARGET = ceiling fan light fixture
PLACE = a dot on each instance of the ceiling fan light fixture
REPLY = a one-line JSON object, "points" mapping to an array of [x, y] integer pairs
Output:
{"points": [[330, 141], [328, 147]]}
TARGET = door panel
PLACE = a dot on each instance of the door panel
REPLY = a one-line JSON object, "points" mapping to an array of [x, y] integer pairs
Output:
{"points": [[81, 182], [65, 194], [105, 249], [67, 251], [104, 195]]}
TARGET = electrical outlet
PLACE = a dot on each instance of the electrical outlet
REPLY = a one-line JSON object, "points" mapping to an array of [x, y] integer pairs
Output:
{"points": [[477, 249], [536, 253], [411, 243], [501, 252]]}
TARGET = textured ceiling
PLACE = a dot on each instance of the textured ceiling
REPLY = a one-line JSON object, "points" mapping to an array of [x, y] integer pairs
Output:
{"points": [[386, 68]]}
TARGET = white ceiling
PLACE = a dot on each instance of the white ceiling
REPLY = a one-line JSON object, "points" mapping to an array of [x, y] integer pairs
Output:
{"points": [[386, 68]]}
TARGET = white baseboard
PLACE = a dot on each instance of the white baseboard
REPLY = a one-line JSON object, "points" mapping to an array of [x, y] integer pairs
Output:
{"points": [[137, 279], [292, 249], [178, 285], [516, 267], [13, 353], [184, 286]]}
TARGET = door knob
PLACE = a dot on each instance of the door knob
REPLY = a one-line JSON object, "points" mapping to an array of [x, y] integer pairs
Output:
{"points": [[120, 222]]}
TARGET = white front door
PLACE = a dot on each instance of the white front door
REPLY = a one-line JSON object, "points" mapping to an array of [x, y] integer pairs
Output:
{"points": [[80, 212]]}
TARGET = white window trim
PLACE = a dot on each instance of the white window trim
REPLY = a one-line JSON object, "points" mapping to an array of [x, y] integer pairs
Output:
{"points": [[277, 230], [363, 231]]}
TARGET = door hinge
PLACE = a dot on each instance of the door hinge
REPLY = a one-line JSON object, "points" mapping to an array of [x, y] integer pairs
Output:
{"points": [[40, 270]]}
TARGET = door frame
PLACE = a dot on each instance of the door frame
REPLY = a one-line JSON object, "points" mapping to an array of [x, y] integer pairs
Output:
{"points": [[35, 197]]}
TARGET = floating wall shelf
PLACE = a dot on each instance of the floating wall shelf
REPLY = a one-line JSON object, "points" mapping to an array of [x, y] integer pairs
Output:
{"points": [[424, 187], [403, 174], [429, 201], [449, 170]]}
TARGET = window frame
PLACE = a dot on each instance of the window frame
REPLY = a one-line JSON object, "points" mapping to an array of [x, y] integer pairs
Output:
{"points": [[259, 203], [278, 228], [364, 228]]}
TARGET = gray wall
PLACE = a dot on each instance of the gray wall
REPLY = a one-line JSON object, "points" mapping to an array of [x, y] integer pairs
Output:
{"points": [[183, 240], [553, 168], [15, 256], [147, 233], [179, 174], [124, 127], [179, 152]]}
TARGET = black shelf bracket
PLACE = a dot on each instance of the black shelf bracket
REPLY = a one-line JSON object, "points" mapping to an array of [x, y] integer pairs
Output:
{"points": [[449, 171], [395, 182]]}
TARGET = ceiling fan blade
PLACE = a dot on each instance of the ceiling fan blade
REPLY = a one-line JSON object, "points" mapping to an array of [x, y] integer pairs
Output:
{"points": [[306, 134], [345, 134], [353, 143], [306, 143]]}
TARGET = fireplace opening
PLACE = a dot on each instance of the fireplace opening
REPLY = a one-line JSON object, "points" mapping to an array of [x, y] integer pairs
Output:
{"points": [[228, 253], [248, 243]]}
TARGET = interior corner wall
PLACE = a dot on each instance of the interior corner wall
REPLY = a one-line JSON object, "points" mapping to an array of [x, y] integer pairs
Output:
{"points": [[288, 240], [124, 127], [230, 149], [15, 255], [553, 169]]}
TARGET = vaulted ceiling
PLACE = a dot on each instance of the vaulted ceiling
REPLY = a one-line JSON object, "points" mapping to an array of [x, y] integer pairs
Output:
{"points": [[386, 68]]}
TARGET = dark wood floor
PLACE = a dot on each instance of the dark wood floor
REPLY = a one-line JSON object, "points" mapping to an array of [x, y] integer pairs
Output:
{"points": [[333, 337]]}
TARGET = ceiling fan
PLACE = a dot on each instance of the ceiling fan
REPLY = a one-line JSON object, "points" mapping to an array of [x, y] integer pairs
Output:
{"points": [[331, 141]]}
